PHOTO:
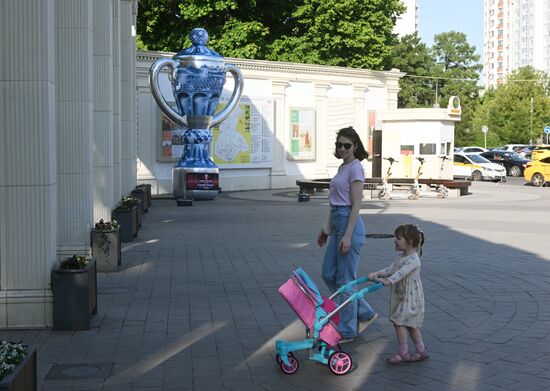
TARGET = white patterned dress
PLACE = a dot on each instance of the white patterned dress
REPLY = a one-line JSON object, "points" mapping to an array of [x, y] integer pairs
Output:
{"points": [[407, 294]]}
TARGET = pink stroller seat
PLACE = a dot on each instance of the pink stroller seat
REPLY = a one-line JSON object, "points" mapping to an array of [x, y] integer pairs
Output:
{"points": [[303, 298]]}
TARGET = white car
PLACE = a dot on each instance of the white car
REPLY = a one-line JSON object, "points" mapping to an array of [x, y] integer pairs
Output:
{"points": [[471, 150], [476, 168]]}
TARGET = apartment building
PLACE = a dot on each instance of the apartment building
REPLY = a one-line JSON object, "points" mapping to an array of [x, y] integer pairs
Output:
{"points": [[516, 34], [408, 22]]}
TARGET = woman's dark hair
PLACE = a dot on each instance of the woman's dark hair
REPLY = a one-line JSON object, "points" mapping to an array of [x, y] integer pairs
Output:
{"points": [[349, 132], [412, 234]]}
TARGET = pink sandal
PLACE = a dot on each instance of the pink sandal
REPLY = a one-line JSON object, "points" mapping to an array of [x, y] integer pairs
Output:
{"points": [[419, 356], [398, 359]]}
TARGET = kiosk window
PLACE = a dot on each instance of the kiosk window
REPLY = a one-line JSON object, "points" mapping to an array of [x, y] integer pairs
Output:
{"points": [[427, 149]]}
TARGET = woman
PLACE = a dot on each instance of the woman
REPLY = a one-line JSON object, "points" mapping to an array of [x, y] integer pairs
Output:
{"points": [[347, 232]]}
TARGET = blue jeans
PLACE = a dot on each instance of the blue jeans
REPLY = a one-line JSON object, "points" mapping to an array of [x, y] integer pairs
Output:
{"points": [[339, 269]]}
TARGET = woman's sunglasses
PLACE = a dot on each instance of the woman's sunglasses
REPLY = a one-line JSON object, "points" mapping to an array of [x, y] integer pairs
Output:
{"points": [[345, 145]]}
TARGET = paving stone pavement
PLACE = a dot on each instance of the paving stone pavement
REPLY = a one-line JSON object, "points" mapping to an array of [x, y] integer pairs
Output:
{"points": [[195, 304]]}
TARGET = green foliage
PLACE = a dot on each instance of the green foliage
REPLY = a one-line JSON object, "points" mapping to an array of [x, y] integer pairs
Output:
{"points": [[516, 111], [354, 33], [11, 354], [411, 56]]}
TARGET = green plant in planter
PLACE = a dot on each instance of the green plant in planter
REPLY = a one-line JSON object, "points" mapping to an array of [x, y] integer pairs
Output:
{"points": [[76, 262], [11, 354], [108, 226], [127, 203]]}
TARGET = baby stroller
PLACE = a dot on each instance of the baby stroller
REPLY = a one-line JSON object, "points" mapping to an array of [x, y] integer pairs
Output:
{"points": [[320, 315]]}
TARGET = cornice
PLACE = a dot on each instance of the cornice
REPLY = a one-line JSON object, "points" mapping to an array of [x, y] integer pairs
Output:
{"points": [[290, 68]]}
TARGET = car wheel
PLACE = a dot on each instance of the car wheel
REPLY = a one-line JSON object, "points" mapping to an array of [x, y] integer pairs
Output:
{"points": [[537, 179], [476, 176], [515, 171]]}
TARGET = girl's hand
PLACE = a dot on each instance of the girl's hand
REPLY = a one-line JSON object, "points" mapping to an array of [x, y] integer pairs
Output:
{"points": [[322, 238], [383, 281], [373, 276]]}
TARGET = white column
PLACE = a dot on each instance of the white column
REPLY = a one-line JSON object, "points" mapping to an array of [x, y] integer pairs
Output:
{"points": [[27, 163], [103, 110], [74, 99], [321, 126], [128, 92], [360, 123], [278, 174], [117, 190]]}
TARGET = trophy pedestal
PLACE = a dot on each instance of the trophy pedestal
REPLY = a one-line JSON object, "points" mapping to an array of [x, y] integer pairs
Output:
{"points": [[195, 183]]}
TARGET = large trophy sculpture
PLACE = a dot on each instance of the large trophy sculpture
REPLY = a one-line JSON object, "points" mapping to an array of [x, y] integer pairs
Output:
{"points": [[197, 75]]}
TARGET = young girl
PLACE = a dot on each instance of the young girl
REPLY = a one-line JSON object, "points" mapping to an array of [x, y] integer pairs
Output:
{"points": [[407, 295]]}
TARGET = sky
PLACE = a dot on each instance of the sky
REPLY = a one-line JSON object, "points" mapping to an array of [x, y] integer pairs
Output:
{"points": [[438, 16]]}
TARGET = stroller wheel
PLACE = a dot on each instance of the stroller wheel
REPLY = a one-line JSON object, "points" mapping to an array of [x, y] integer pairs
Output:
{"points": [[280, 360], [339, 363], [292, 368], [308, 333]]}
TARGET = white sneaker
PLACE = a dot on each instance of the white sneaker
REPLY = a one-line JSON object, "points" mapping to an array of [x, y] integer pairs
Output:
{"points": [[362, 326]]}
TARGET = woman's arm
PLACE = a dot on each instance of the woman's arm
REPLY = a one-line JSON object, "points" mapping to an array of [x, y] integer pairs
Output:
{"points": [[356, 197]]}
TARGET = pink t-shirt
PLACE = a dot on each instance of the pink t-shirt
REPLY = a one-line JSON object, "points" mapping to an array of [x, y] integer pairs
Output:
{"points": [[340, 186]]}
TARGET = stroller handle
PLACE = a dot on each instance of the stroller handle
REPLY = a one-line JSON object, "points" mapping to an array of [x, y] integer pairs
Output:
{"points": [[309, 282]]}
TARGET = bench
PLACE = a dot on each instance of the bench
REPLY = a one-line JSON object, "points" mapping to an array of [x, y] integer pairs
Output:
{"points": [[313, 185]]}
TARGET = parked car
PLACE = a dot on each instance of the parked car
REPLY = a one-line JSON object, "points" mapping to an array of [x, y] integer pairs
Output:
{"points": [[512, 162], [538, 171], [475, 167], [540, 152], [471, 150], [526, 152], [512, 147]]}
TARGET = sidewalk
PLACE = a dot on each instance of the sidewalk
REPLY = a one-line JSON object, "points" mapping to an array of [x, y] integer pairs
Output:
{"points": [[195, 304]]}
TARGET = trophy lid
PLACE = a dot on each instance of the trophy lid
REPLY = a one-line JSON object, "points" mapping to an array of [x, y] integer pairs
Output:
{"points": [[199, 38]]}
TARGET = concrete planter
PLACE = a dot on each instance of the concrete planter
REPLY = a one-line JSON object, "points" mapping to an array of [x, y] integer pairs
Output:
{"points": [[106, 249], [148, 189], [74, 297], [23, 377], [141, 194], [128, 223]]}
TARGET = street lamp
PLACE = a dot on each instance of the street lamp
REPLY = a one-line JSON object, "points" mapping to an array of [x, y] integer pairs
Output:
{"points": [[485, 129]]}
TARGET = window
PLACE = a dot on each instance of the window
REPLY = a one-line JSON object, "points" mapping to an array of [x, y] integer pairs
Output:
{"points": [[427, 149]]}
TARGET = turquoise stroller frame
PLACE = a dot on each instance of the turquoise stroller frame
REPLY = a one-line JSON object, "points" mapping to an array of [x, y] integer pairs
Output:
{"points": [[317, 313]]}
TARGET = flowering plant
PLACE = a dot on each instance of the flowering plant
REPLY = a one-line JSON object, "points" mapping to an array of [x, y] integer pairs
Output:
{"points": [[11, 354], [76, 262], [103, 226], [127, 202]]}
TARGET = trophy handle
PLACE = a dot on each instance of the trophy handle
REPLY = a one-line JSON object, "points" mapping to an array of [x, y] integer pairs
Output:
{"points": [[235, 96], [153, 84]]}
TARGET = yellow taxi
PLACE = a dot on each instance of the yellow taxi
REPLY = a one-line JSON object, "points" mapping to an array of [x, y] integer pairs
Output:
{"points": [[540, 151], [538, 171]]}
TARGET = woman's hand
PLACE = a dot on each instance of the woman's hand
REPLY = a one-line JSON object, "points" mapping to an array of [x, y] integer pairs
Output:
{"points": [[322, 238], [345, 244]]}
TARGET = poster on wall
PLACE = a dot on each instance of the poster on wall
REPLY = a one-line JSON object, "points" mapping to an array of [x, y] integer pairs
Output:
{"points": [[171, 135], [243, 140], [302, 133]]}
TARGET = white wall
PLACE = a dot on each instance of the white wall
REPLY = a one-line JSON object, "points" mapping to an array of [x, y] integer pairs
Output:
{"points": [[340, 97]]}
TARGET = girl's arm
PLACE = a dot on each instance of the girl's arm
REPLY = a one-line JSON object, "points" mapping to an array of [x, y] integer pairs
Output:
{"points": [[411, 263], [356, 193]]}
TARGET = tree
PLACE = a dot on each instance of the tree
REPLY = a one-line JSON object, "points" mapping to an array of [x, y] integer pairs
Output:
{"points": [[412, 56], [457, 68], [354, 33], [516, 111]]}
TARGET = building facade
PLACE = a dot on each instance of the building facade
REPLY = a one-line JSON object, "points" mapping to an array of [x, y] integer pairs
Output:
{"points": [[67, 138], [408, 22], [516, 34]]}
